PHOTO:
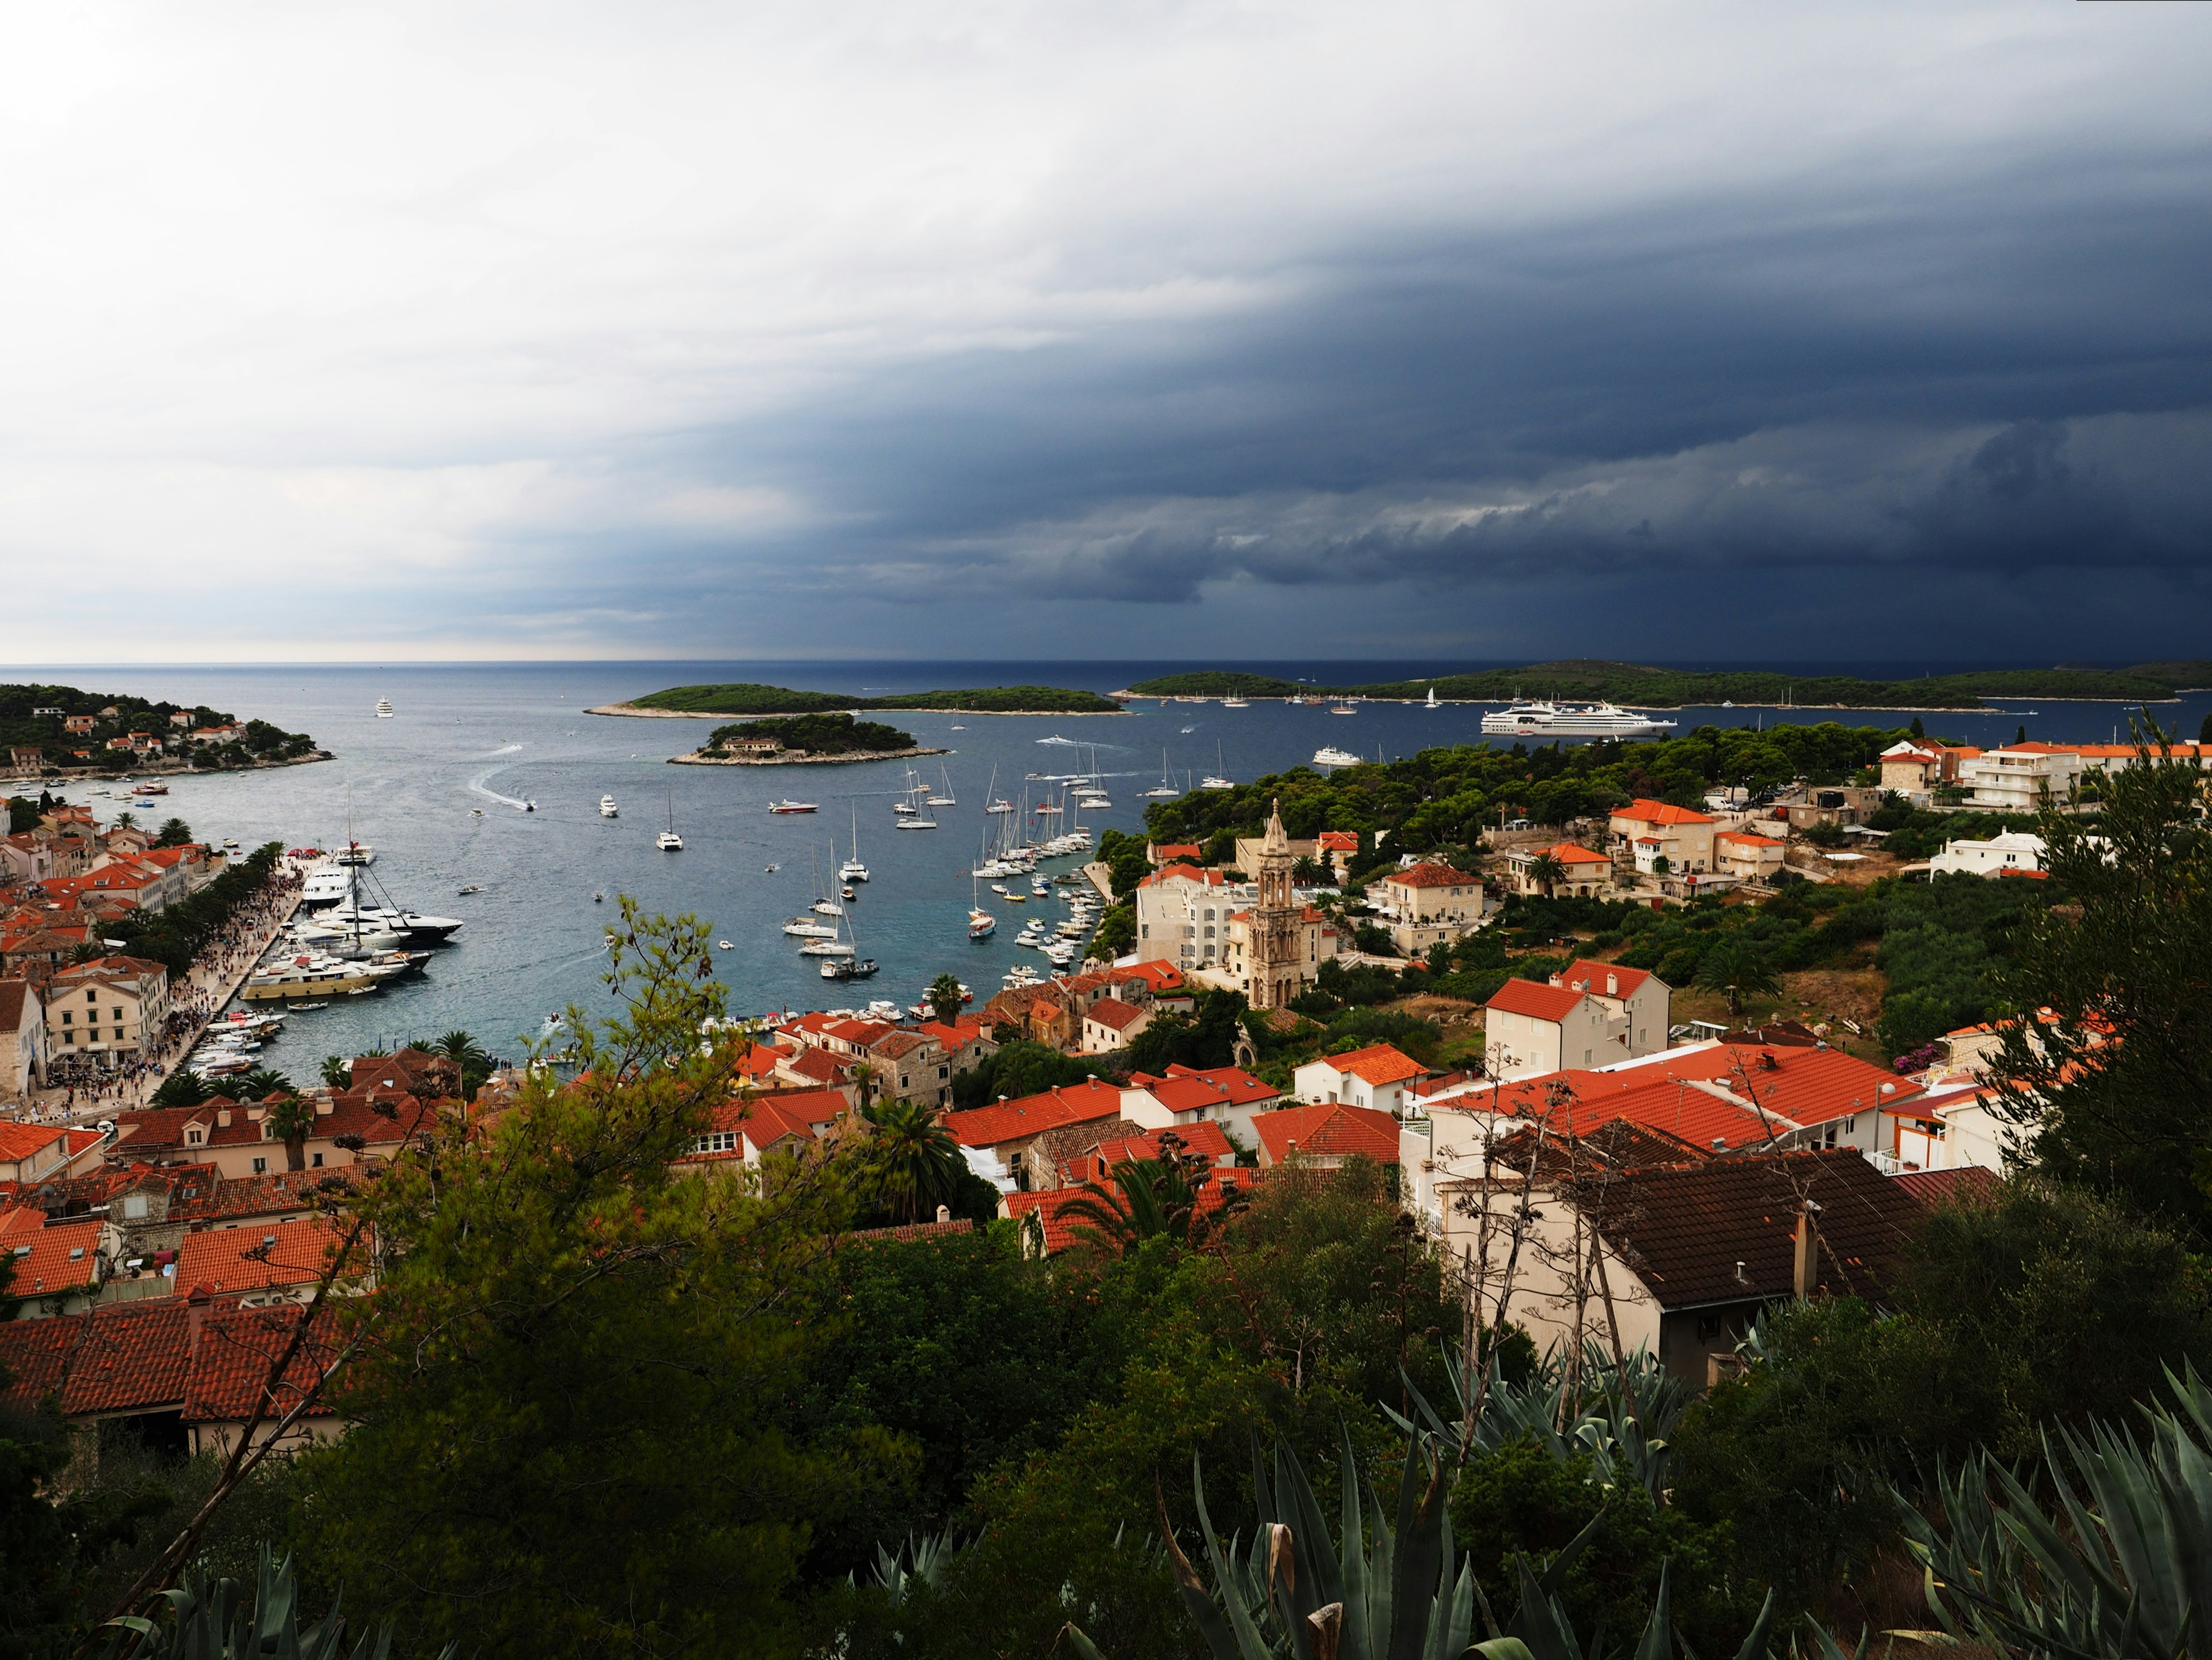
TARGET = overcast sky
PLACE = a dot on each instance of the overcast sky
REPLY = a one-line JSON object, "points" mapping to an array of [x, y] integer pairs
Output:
{"points": [[1123, 329]]}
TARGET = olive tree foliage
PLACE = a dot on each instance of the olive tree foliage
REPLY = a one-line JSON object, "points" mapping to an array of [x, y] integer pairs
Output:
{"points": [[2113, 1091], [565, 1400]]}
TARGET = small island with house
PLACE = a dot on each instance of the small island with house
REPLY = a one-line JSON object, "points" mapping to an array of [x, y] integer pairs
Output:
{"points": [[802, 740]]}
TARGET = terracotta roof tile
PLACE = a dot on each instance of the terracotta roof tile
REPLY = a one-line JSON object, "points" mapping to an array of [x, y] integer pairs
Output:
{"points": [[1328, 1131], [1537, 1001]]}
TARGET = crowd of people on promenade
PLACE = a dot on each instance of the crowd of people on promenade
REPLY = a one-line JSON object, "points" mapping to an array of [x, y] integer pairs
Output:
{"points": [[193, 1002]]}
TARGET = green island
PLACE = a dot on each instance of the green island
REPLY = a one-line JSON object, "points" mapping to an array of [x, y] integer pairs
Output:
{"points": [[817, 734], [746, 698], [72, 731], [1644, 686]]}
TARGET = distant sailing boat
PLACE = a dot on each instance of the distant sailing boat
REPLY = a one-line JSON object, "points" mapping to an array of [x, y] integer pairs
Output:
{"points": [[945, 799], [1432, 702], [853, 870], [1165, 789], [668, 841]]}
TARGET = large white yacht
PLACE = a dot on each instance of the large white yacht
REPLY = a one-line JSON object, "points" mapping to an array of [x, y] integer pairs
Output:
{"points": [[607, 808], [1542, 718], [1329, 756]]}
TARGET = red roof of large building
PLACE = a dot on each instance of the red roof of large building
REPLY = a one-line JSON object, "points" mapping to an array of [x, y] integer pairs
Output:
{"points": [[1329, 1130], [1032, 1115], [48, 1256], [1689, 1109], [1644, 811], [1211, 878], [1113, 1014], [1536, 1000]]}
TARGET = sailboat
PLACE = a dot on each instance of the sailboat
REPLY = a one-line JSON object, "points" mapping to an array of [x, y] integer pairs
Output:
{"points": [[1217, 781], [912, 817], [980, 923], [1432, 702], [853, 870], [945, 799], [668, 841], [1165, 789]]}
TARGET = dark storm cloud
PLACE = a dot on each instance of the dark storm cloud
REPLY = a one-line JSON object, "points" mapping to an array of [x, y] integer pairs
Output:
{"points": [[2008, 373]]}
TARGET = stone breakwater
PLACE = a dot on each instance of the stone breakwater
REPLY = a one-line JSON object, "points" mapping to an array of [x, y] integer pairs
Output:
{"points": [[797, 758]]}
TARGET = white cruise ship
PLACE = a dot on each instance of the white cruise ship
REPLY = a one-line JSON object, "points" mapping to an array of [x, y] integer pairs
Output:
{"points": [[1547, 720]]}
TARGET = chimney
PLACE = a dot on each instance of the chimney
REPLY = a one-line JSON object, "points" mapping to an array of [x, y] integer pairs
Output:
{"points": [[1805, 1267], [943, 1213], [1613, 985], [1556, 980], [222, 1118], [196, 1308]]}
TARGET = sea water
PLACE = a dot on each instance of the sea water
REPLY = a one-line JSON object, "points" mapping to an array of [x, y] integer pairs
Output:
{"points": [[488, 736]]}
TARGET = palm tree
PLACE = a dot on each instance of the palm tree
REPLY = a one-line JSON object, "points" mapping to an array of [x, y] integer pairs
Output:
{"points": [[1546, 871], [1151, 1198], [472, 1065], [292, 1121], [1309, 872], [1735, 965], [944, 998], [260, 1084], [174, 833], [125, 820], [917, 1164], [337, 1072]]}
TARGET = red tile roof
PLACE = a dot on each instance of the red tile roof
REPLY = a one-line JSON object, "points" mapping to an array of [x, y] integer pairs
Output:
{"points": [[1683, 1107], [1017, 1120], [1340, 840], [1539, 1002], [1684, 1228], [125, 1357], [1211, 878], [1164, 978], [1569, 853], [1328, 1131], [1592, 978], [229, 1367], [1747, 839], [1378, 1063], [1113, 1014], [48, 1256], [1427, 875], [1644, 811], [1186, 1089], [1963, 1183], [1805, 1085], [1061, 1230], [247, 1258], [20, 1141], [1167, 852], [1206, 1139]]}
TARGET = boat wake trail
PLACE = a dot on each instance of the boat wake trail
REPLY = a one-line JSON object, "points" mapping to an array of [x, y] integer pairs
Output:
{"points": [[480, 785]]}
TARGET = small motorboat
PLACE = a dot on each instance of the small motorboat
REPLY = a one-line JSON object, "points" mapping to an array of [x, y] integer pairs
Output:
{"points": [[598, 898], [723, 944], [471, 888], [788, 805], [475, 812], [307, 1008], [847, 893], [767, 870], [529, 806]]}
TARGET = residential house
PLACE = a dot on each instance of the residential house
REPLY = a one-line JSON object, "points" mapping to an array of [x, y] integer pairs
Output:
{"points": [[1428, 904], [1529, 1028], [1173, 853], [27, 760], [1109, 1024], [1103, 1152], [2009, 853], [1748, 857], [280, 1261], [1694, 1251], [1378, 1076], [352, 1127], [56, 1268], [1583, 874], [999, 1140], [2021, 778], [1338, 848], [1184, 1096], [741, 1132], [1656, 831], [33, 1153], [23, 1040], [1327, 1134], [1638, 1004], [186, 1371]]}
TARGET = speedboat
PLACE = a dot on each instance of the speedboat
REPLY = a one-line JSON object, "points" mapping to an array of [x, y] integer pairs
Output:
{"points": [[788, 805], [471, 888], [723, 944], [858, 968], [1211, 782], [846, 892], [607, 808]]}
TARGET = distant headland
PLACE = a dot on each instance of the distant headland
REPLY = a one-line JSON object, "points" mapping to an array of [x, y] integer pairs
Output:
{"points": [[802, 740], [746, 701], [1639, 685]]}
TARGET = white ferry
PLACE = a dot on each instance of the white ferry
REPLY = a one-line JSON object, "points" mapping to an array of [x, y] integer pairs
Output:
{"points": [[1548, 719]]}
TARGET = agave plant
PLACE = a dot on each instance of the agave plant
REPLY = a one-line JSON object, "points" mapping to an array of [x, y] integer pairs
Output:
{"points": [[921, 1560], [1380, 1590], [2122, 1571], [1621, 1414], [220, 1622]]}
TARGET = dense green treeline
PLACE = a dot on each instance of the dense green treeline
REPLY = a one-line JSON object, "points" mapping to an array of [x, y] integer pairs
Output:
{"points": [[749, 698], [1639, 685], [1444, 797], [19, 725]]}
